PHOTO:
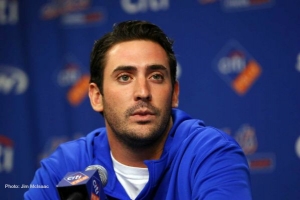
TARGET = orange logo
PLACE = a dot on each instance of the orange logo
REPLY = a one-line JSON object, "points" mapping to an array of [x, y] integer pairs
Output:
{"points": [[247, 77], [79, 90]]}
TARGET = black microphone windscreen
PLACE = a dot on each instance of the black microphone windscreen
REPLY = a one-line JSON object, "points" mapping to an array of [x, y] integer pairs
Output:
{"points": [[76, 196]]}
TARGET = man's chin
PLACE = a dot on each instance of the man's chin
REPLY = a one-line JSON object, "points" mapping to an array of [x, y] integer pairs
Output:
{"points": [[140, 138]]}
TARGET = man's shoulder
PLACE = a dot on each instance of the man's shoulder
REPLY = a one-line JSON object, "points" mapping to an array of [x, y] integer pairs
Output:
{"points": [[79, 144], [194, 133], [213, 136], [191, 127], [74, 151]]}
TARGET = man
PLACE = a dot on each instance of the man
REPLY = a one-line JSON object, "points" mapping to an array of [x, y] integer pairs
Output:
{"points": [[150, 149]]}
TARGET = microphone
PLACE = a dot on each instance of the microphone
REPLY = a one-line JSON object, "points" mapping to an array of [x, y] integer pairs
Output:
{"points": [[83, 185]]}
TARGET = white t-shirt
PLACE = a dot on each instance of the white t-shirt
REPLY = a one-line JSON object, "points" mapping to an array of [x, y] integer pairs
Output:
{"points": [[133, 179]]}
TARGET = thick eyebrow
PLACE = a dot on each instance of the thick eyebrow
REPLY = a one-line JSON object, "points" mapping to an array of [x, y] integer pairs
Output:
{"points": [[157, 67], [124, 68], [132, 68]]}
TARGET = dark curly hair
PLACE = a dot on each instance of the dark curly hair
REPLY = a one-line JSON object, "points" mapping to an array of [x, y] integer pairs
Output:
{"points": [[128, 31]]}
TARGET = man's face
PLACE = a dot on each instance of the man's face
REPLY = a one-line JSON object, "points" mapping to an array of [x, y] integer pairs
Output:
{"points": [[137, 94]]}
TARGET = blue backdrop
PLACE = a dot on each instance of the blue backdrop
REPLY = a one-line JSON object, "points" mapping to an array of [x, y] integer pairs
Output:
{"points": [[239, 64]]}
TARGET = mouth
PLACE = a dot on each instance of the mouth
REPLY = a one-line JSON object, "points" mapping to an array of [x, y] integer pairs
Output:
{"points": [[142, 115], [142, 112]]}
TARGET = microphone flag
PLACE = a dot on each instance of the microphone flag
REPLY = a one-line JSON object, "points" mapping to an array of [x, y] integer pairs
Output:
{"points": [[84, 183]]}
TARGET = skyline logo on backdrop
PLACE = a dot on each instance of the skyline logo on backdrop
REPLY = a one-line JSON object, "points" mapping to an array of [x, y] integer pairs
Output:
{"points": [[237, 67]]}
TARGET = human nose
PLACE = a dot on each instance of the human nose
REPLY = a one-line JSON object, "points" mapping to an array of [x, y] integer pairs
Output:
{"points": [[142, 90]]}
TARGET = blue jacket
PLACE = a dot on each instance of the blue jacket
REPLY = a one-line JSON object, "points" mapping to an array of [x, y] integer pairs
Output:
{"points": [[197, 162]]}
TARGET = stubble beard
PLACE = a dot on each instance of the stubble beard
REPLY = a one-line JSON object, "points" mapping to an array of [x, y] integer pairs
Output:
{"points": [[132, 138]]}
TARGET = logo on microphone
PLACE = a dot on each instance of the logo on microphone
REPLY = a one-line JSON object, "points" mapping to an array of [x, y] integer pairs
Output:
{"points": [[76, 178], [96, 190]]}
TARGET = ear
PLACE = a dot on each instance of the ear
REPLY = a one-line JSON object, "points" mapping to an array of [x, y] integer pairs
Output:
{"points": [[95, 97], [175, 97]]}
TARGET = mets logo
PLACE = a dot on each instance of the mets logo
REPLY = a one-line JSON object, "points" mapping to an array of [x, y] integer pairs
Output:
{"points": [[246, 137], [237, 67], [76, 178]]}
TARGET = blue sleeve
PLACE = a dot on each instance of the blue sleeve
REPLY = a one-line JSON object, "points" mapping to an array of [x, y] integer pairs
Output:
{"points": [[69, 157], [49, 174], [224, 171]]}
